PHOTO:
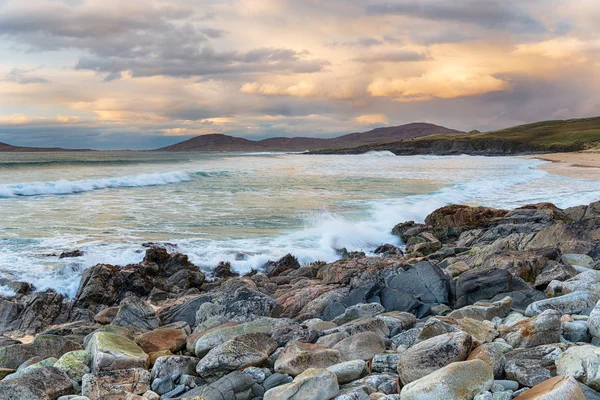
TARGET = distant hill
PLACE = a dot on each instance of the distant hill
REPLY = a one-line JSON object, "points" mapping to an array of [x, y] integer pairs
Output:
{"points": [[219, 142], [540, 137], [7, 148]]}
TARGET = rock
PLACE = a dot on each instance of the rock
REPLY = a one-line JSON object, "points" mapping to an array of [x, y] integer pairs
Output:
{"points": [[174, 366], [483, 310], [115, 383], [554, 272], [385, 363], [594, 321], [545, 328], [557, 388], [100, 285], [223, 270], [235, 385], [582, 282], [532, 366], [43, 346], [241, 305], [312, 384], [162, 339], [359, 311], [582, 363], [136, 313], [223, 333], [71, 254], [576, 331], [162, 386], [180, 389], [484, 284], [491, 354], [457, 381], [75, 364], [106, 316], [480, 331], [580, 260], [184, 310], [406, 338], [424, 281], [112, 352], [298, 357], [243, 351], [389, 250], [572, 303], [349, 371], [461, 216], [362, 346], [276, 380], [362, 325], [433, 354], [39, 384], [398, 321], [275, 268]]}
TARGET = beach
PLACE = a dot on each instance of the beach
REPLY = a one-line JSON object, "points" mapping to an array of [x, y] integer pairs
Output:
{"points": [[580, 165]]}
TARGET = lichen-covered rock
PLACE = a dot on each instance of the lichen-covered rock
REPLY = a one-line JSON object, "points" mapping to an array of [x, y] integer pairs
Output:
{"points": [[557, 388], [532, 366], [75, 364], [544, 328], [112, 352], [572, 303], [433, 354], [457, 381], [312, 384], [39, 384], [582, 363], [43, 346], [115, 383], [243, 351], [297, 357]]}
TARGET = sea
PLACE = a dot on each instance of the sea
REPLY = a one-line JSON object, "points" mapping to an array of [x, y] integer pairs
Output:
{"points": [[245, 208]]}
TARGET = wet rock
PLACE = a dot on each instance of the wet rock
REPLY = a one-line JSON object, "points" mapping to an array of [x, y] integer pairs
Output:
{"points": [[298, 357], [115, 383], [312, 384], [433, 354], [457, 381], [43, 346], [162, 339], [275, 268], [362, 346], [71, 254], [243, 351], [223, 270], [557, 388], [572, 303], [136, 313], [112, 352], [39, 384], [545, 328], [100, 285], [389, 250]]}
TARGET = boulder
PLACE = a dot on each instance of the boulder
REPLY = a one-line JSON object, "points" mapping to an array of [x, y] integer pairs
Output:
{"points": [[554, 272], [359, 311], [183, 310], [480, 331], [43, 346], [221, 334], [166, 367], [243, 351], [545, 328], [240, 304], [39, 384], [492, 354], [557, 388], [162, 339], [362, 325], [572, 303], [235, 385], [115, 384], [484, 284], [579, 260], [75, 364], [483, 310], [106, 316], [362, 346], [594, 321], [462, 216], [532, 366], [424, 281], [287, 262], [112, 352], [349, 371], [456, 381], [582, 363], [136, 313], [101, 284], [582, 282], [297, 357], [433, 354], [312, 384]]}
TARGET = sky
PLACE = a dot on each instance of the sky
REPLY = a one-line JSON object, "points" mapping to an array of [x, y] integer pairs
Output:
{"points": [[139, 74]]}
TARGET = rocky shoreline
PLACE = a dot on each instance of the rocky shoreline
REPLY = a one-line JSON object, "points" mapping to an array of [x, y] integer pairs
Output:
{"points": [[481, 304]]}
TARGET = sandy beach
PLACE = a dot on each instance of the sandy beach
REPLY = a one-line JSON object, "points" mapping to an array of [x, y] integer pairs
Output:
{"points": [[584, 165]]}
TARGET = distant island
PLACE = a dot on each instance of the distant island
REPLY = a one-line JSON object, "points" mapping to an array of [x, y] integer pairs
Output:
{"points": [[7, 148], [219, 142]]}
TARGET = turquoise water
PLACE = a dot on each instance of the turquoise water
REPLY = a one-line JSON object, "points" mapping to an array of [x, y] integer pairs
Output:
{"points": [[244, 208]]}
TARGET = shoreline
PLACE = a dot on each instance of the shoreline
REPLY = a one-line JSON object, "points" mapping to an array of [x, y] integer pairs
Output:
{"points": [[581, 165]]}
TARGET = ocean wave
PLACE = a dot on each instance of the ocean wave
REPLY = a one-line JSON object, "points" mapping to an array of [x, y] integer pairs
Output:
{"points": [[383, 153], [83, 163], [63, 187]]}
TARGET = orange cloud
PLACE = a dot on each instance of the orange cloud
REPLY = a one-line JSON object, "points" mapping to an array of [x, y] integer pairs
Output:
{"points": [[371, 119]]}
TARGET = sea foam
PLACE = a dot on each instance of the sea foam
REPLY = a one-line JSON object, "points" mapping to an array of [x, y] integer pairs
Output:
{"points": [[63, 187]]}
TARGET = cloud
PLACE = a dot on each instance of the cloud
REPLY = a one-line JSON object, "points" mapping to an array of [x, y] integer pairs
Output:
{"points": [[564, 48], [371, 119], [393, 57], [24, 77], [494, 14]]}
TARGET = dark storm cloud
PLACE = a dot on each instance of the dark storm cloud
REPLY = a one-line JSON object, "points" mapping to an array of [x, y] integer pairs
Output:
{"points": [[495, 14], [147, 42]]}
